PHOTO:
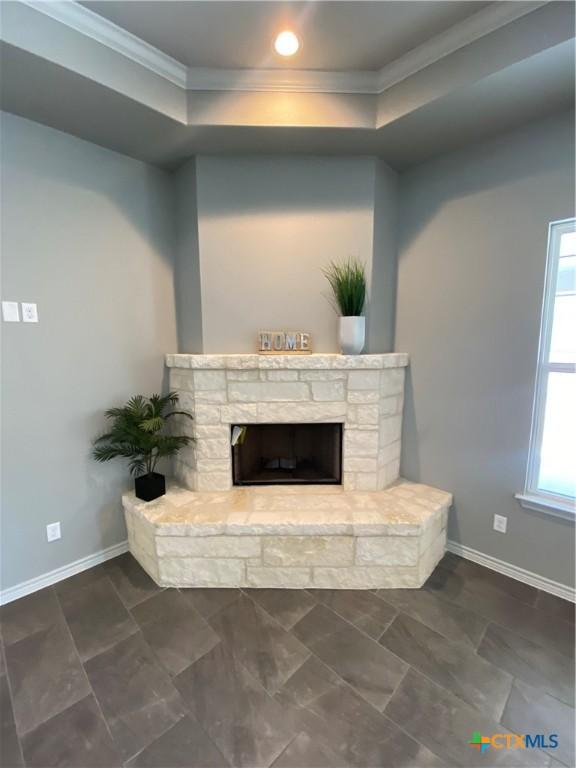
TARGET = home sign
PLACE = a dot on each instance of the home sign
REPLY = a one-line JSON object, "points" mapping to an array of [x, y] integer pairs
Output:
{"points": [[284, 343]]}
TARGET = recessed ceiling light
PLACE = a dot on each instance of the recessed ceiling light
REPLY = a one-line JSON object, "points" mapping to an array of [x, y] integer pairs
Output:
{"points": [[286, 44]]}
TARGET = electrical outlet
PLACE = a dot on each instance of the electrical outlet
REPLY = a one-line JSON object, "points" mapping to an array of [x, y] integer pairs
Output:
{"points": [[500, 523], [53, 532], [29, 312]]}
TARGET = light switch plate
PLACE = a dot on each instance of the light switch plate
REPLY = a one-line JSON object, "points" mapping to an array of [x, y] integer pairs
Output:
{"points": [[10, 313], [29, 313]]}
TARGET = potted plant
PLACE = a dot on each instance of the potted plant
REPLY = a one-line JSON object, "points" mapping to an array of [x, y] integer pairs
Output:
{"points": [[138, 433], [348, 282]]}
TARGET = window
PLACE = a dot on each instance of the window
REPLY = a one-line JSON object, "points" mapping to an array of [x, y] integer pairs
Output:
{"points": [[551, 475]]}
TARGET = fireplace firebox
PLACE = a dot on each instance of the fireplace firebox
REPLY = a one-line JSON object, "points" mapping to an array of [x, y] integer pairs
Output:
{"points": [[286, 454]]}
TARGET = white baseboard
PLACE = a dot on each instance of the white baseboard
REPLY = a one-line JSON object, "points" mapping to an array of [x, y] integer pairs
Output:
{"points": [[58, 574], [520, 574]]}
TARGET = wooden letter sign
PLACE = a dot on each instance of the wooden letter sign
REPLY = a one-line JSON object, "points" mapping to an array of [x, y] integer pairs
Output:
{"points": [[284, 343]]}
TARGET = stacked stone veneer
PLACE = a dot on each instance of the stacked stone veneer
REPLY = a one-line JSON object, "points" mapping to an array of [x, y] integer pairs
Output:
{"points": [[290, 537], [363, 392]]}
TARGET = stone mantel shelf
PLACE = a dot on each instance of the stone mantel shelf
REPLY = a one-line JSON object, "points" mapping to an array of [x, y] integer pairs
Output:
{"points": [[295, 362]]}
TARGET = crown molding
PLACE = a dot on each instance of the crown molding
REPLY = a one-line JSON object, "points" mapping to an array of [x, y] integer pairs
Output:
{"points": [[105, 32], [86, 22], [286, 80], [461, 34]]}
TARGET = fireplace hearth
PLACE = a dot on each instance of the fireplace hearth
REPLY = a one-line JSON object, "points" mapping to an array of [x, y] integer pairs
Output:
{"points": [[287, 454]]}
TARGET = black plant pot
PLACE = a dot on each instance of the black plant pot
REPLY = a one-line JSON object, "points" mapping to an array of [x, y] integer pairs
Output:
{"points": [[151, 486]]}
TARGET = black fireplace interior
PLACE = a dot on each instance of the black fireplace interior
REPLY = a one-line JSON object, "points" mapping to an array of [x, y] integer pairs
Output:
{"points": [[282, 454]]}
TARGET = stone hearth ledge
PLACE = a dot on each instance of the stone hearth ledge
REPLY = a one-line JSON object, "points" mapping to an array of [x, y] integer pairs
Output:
{"points": [[290, 536], [294, 362]]}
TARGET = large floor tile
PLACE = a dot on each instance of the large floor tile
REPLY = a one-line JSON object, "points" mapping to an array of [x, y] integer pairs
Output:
{"points": [[46, 676], [185, 745], [368, 667], [455, 667], [555, 606], [540, 667], [530, 711], [447, 618], [339, 727], [248, 726], [482, 580], [268, 652], [130, 580], [445, 724], [81, 580], [10, 754], [96, 617], [209, 601], [502, 609], [360, 607], [76, 738], [177, 634], [286, 606], [29, 614], [136, 695]]}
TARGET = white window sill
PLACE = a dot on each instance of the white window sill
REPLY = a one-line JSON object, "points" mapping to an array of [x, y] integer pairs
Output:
{"points": [[557, 507]]}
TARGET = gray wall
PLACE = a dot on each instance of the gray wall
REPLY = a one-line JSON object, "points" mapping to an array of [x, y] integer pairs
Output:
{"points": [[382, 301], [187, 261], [471, 273], [267, 226], [88, 235]]}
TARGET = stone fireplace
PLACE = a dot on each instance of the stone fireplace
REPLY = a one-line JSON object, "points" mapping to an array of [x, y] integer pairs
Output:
{"points": [[292, 481], [363, 394]]}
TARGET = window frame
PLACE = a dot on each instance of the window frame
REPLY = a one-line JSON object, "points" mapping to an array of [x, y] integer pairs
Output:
{"points": [[533, 497]]}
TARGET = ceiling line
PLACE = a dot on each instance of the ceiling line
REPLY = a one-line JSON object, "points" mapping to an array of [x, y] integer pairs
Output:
{"points": [[99, 29]]}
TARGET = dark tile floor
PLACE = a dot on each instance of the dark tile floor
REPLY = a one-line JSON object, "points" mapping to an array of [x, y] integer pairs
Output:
{"points": [[106, 669]]}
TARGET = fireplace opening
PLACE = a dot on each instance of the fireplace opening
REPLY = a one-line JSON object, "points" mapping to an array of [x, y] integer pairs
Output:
{"points": [[284, 454]]}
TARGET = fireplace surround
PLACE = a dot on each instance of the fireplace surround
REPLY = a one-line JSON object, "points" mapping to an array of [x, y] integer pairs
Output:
{"points": [[362, 393], [372, 530]]}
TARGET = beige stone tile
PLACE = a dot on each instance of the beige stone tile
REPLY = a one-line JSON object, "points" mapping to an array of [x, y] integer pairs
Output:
{"points": [[307, 550]]}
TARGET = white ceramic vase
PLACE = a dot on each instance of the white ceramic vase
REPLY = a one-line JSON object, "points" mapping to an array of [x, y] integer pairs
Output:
{"points": [[352, 333]]}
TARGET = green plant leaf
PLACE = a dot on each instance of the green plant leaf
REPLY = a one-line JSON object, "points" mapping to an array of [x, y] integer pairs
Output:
{"points": [[348, 283]]}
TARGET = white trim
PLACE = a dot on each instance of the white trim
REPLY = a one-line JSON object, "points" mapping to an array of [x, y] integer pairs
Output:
{"points": [[97, 28], [458, 36], [543, 368], [283, 80], [465, 32], [551, 505], [515, 572], [58, 574]]}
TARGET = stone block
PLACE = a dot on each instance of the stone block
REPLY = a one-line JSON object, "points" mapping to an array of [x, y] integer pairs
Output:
{"points": [[364, 415], [239, 413], [390, 429], [213, 449], [364, 464], [329, 391], [366, 577], [209, 380], [364, 380], [267, 392], [323, 375], [387, 550], [390, 406], [210, 396], [281, 375], [213, 465], [279, 578], [242, 375], [286, 413], [367, 481], [181, 380], [206, 414], [209, 546], [212, 432], [360, 396], [201, 572], [392, 382], [360, 443], [307, 550]]}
